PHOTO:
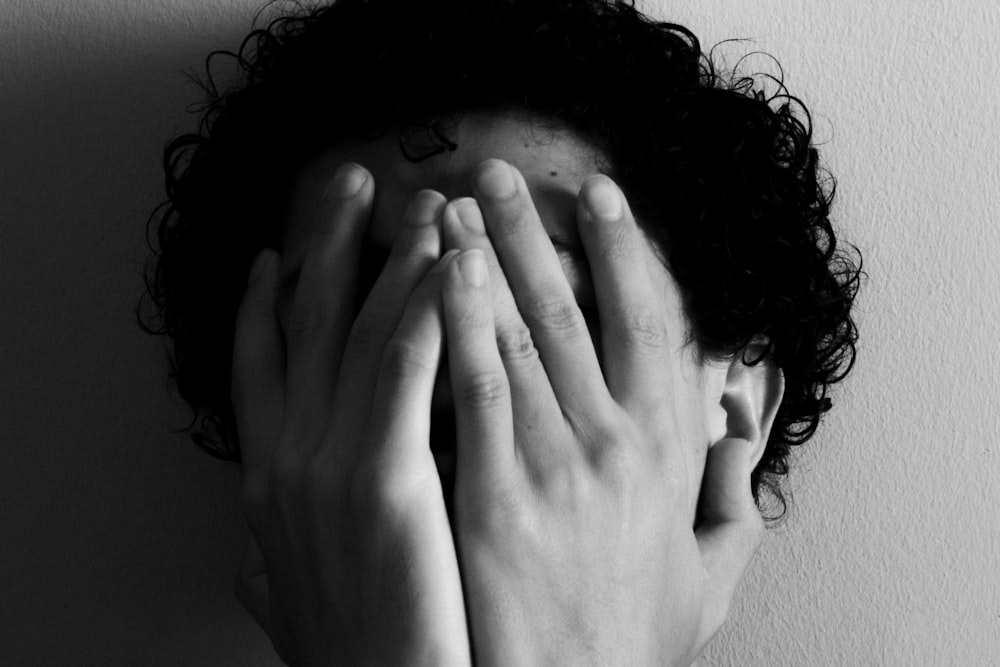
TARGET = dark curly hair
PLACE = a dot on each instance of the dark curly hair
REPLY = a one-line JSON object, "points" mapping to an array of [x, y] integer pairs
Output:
{"points": [[722, 177]]}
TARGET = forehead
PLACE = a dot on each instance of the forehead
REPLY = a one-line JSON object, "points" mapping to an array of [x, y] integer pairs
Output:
{"points": [[553, 160]]}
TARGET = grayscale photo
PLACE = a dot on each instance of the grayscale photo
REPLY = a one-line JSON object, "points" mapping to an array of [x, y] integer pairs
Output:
{"points": [[499, 333]]}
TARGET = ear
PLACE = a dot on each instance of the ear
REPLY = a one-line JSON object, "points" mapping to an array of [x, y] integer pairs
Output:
{"points": [[751, 398]]}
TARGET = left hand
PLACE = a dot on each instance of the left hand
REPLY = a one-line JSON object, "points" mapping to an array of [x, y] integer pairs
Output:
{"points": [[571, 497], [353, 560]]}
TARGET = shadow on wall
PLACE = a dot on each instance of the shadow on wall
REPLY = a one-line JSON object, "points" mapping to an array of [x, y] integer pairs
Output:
{"points": [[121, 539]]}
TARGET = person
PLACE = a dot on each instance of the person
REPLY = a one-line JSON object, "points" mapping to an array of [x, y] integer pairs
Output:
{"points": [[540, 302]]}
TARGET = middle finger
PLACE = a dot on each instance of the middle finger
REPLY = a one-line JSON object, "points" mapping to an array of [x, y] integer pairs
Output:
{"points": [[541, 290]]}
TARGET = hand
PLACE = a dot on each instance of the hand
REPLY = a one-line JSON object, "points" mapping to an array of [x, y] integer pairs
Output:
{"points": [[573, 518], [340, 488]]}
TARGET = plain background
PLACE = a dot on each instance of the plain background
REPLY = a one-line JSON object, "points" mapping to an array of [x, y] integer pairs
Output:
{"points": [[119, 541]]}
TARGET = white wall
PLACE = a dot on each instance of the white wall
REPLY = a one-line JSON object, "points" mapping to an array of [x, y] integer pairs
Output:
{"points": [[119, 541]]}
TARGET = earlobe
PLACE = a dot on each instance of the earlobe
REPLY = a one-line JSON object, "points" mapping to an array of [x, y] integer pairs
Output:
{"points": [[751, 399]]}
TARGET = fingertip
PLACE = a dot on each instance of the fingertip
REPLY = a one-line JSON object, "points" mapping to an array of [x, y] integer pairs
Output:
{"points": [[494, 178], [602, 198], [261, 267], [425, 208], [349, 179]]}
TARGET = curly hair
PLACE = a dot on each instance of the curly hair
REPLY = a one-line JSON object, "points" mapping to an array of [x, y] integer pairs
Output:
{"points": [[723, 177]]}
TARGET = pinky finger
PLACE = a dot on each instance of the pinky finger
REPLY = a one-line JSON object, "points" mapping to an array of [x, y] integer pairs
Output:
{"points": [[482, 396], [253, 592], [258, 370], [251, 585], [731, 528]]}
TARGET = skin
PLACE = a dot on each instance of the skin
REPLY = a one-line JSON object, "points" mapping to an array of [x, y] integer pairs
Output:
{"points": [[555, 163], [577, 463]]}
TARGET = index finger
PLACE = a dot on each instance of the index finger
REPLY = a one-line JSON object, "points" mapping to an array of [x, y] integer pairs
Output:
{"points": [[258, 373], [635, 350]]}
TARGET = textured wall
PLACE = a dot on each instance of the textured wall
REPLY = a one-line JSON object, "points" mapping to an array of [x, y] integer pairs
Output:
{"points": [[890, 556], [119, 542]]}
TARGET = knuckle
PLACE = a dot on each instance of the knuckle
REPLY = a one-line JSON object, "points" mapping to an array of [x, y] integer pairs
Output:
{"points": [[565, 485], [485, 390], [618, 244], [614, 456], [516, 344], [402, 360], [556, 314], [379, 494], [471, 318], [641, 324], [510, 216]]}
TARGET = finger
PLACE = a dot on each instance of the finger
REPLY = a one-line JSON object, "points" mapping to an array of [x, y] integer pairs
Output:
{"points": [[258, 372], [396, 475], [635, 349], [484, 416], [416, 250], [543, 295], [401, 414], [533, 401], [730, 528], [251, 585], [324, 299], [253, 592]]}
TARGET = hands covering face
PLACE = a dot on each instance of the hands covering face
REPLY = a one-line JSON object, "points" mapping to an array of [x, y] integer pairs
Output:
{"points": [[571, 544]]}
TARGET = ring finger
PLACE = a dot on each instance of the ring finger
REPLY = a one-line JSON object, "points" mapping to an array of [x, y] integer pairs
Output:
{"points": [[531, 393]]}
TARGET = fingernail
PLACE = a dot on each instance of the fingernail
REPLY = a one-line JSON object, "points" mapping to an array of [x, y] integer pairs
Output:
{"points": [[348, 180], [604, 200], [468, 212], [497, 180], [472, 265]]}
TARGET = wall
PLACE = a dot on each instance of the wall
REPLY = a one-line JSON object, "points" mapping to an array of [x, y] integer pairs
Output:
{"points": [[119, 541]]}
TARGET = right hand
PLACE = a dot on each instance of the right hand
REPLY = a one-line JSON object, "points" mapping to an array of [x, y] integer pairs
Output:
{"points": [[340, 487], [573, 483]]}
